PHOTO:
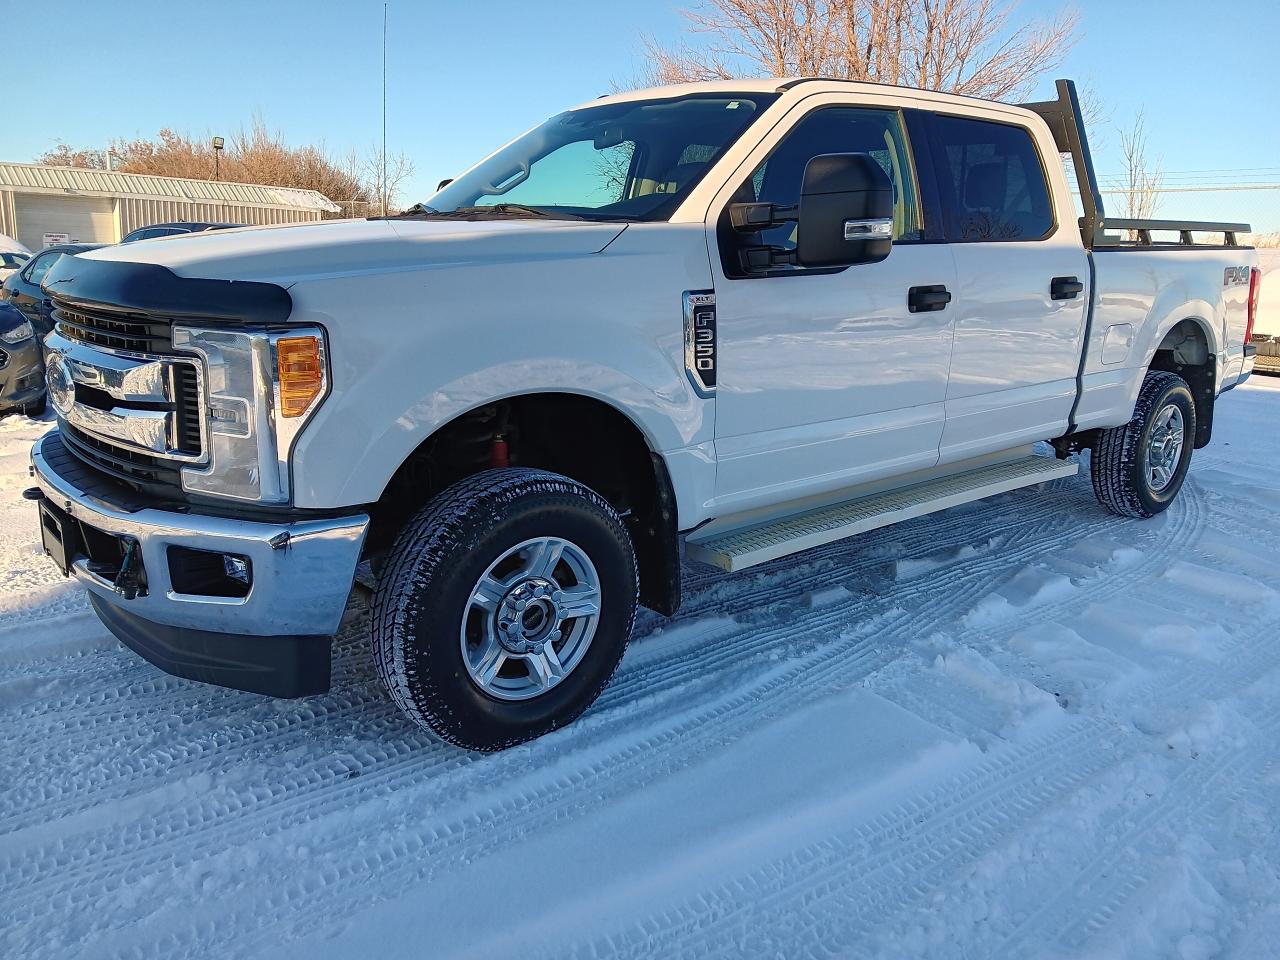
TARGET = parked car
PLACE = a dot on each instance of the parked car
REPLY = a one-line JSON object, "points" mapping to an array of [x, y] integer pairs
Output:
{"points": [[11, 261], [22, 289], [21, 364], [174, 229], [752, 316]]}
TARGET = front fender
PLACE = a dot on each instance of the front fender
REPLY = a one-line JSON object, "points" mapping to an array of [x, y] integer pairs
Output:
{"points": [[412, 350]]}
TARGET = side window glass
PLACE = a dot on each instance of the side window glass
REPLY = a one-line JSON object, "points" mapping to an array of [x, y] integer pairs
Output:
{"points": [[992, 182], [879, 133], [40, 266], [778, 180]]}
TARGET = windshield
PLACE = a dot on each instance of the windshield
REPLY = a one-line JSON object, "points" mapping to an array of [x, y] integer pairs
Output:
{"points": [[620, 161]]}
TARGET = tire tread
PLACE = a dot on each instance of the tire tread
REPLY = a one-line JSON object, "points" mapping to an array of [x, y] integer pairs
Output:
{"points": [[1114, 458], [434, 533]]}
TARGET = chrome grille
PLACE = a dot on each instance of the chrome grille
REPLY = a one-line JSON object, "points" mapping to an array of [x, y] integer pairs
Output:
{"points": [[138, 417]]}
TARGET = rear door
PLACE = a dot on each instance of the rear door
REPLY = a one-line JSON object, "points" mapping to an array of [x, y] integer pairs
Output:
{"points": [[826, 377], [1022, 286]]}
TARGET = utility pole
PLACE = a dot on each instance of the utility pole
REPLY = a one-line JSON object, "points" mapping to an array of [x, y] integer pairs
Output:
{"points": [[384, 109]]}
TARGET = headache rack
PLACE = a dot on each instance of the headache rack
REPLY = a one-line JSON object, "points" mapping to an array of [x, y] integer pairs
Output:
{"points": [[1067, 125]]}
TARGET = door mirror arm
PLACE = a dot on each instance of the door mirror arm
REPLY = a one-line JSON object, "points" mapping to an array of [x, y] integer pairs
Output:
{"points": [[753, 217], [764, 259]]}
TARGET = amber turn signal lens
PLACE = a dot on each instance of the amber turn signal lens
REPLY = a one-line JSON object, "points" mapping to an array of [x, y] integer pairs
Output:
{"points": [[301, 374]]}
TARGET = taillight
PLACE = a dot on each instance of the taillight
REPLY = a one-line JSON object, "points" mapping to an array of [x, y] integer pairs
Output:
{"points": [[1255, 288]]}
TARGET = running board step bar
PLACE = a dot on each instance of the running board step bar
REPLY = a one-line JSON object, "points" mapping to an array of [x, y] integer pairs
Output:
{"points": [[744, 548]]}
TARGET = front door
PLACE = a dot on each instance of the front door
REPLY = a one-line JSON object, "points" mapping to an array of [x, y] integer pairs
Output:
{"points": [[827, 378]]}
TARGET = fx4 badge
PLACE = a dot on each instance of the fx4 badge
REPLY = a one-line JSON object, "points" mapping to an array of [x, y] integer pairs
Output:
{"points": [[1235, 276], [700, 340]]}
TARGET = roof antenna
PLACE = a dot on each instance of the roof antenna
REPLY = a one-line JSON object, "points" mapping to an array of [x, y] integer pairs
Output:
{"points": [[384, 109]]}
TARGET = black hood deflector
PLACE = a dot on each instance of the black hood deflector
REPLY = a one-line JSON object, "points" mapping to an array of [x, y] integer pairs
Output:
{"points": [[149, 288]]}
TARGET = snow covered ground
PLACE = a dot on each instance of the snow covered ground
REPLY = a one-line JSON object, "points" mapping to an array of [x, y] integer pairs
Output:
{"points": [[1024, 728]]}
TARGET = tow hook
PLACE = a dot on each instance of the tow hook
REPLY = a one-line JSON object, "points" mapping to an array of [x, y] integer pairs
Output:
{"points": [[127, 579]]}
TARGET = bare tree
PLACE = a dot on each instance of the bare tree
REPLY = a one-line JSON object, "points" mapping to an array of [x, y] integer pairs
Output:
{"points": [[971, 47], [1142, 178], [257, 154], [398, 168]]}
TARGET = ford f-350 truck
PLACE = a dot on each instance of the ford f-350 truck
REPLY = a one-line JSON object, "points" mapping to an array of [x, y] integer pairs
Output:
{"points": [[729, 320]]}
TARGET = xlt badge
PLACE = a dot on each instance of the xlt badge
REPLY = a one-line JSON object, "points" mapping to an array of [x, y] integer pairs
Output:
{"points": [[700, 340]]}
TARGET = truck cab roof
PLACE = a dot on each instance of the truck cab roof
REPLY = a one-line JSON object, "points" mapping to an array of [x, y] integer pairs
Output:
{"points": [[781, 85]]}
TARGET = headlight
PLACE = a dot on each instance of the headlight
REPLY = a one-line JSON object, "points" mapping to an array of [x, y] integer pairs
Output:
{"points": [[21, 332], [262, 389]]}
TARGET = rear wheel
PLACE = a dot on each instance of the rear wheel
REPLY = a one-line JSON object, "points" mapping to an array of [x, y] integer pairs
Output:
{"points": [[1139, 468], [504, 607]]}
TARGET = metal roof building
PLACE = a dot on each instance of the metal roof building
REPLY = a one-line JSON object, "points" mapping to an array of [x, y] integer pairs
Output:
{"points": [[73, 203]]}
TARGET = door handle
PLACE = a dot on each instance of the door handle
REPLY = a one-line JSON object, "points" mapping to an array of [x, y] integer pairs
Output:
{"points": [[927, 299], [1065, 288]]}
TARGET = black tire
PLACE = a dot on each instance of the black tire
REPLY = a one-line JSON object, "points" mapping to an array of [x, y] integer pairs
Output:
{"points": [[35, 408], [426, 586], [1120, 479]]}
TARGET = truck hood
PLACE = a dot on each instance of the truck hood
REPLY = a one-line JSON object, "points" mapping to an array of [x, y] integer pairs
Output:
{"points": [[289, 253]]}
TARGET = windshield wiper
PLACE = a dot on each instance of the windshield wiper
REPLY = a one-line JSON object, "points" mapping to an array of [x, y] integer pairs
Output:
{"points": [[515, 210], [487, 212]]}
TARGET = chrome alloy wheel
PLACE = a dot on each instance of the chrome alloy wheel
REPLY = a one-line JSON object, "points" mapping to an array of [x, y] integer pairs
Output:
{"points": [[1164, 446], [530, 618]]}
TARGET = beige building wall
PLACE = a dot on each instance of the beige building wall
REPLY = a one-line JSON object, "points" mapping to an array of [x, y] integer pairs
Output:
{"points": [[104, 205]]}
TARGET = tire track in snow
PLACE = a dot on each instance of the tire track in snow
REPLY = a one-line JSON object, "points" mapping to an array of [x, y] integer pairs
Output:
{"points": [[395, 867], [836, 896], [737, 897], [910, 623], [1115, 873], [163, 692], [126, 766]]}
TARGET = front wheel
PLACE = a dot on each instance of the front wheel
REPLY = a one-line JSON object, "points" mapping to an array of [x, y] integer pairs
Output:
{"points": [[505, 607], [1139, 468]]}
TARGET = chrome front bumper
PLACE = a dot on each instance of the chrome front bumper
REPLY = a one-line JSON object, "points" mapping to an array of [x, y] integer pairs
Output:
{"points": [[302, 572]]}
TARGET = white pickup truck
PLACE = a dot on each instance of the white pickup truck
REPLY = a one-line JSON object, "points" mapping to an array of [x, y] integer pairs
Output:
{"points": [[732, 319]]}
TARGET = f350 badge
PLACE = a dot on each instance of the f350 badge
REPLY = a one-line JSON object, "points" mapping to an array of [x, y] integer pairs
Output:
{"points": [[700, 340]]}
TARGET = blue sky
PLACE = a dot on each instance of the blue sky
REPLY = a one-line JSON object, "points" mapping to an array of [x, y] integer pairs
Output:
{"points": [[464, 77]]}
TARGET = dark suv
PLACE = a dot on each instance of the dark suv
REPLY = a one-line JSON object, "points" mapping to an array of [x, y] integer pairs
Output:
{"points": [[173, 230]]}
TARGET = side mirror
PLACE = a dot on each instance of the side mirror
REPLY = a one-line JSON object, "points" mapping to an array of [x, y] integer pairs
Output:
{"points": [[846, 212], [443, 183]]}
